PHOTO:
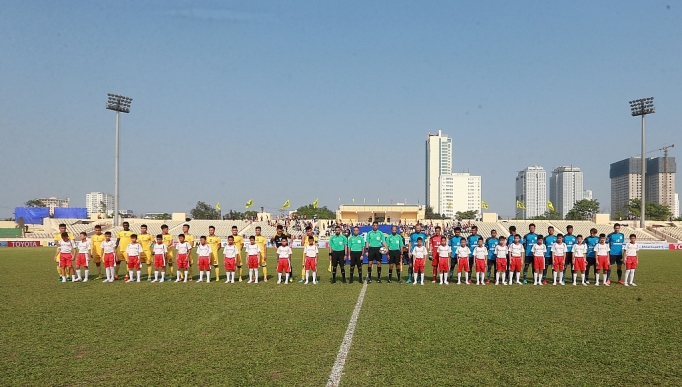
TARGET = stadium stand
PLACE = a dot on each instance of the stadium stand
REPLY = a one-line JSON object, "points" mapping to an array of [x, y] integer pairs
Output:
{"points": [[661, 232], [642, 235], [10, 233], [675, 232], [485, 228], [267, 230], [522, 226], [581, 227], [223, 228], [76, 226], [39, 235]]}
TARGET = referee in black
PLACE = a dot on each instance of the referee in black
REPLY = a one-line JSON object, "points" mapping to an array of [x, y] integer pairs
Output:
{"points": [[375, 240]]}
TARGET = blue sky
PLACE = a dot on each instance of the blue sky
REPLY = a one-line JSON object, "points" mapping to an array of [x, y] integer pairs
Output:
{"points": [[329, 100]]}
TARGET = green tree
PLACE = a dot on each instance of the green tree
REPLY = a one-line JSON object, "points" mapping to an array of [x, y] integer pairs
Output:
{"points": [[321, 212], [233, 215], [466, 214], [429, 214], [548, 215], [204, 211], [35, 203], [583, 210], [654, 211], [164, 216]]}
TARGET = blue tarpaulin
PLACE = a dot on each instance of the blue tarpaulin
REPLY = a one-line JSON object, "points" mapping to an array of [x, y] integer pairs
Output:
{"points": [[31, 215], [70, 213], [385, 228]]}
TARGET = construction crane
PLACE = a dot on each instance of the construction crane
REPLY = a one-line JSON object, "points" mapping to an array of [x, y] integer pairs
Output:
{"points": [[665, 170]]}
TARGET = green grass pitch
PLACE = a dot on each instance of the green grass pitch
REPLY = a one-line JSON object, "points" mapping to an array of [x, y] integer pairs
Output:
{"points": [[56, 334]]}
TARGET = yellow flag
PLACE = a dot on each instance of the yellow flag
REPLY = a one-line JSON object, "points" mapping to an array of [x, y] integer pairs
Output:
{"points": [[315, 203], [550, 205], [217, 206], [249, 203], [286, 204], [484, 205], [520, 205]]}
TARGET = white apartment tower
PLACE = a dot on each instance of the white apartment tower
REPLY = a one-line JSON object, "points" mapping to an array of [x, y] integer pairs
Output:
{"points": [[531, 190], [448, 192], [565, 188], [99, 202], [438, 163], [459, 192]]}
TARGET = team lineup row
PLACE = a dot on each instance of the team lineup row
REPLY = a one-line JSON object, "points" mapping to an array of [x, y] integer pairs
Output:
{"points": [[504, 258]]}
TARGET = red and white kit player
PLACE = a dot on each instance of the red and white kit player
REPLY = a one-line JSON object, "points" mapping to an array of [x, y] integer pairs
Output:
{"points": [[559, 250], [230, 261], [463, 261], [65, 248], [443, 261], [134, 250], [601, 251], [184, 249], [310, 251], [204, 252], [501, 251], [83, 258], [480, 257], [631, 260], [283, 261], [108, 256], [579, 263], [435, 242], [159, 250], [419, 254], [539, 250], [253, 259], [516, 251]]}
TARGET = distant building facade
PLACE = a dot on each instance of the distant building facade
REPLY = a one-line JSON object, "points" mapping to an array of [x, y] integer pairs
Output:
{"points": [[53, 202], [99, 202], [531, 190], [565, 188], [626, 177]]}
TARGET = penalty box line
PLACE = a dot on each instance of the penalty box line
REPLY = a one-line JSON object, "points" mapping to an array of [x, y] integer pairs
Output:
{"points": [[342, 355]]}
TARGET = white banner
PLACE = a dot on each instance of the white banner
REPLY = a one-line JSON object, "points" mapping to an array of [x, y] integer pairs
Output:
{"points": [[654, 246]]}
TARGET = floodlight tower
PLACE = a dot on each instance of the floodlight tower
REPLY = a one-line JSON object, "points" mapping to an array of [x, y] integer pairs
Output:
{"points": [[119, 104], [642, 107]]}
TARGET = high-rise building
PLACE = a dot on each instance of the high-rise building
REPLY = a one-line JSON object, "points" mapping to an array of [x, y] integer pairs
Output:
{"points": [[565, 188], [676, 206], [99, 202], [531, 190], [438, 162], [625, 185], [53, 202], [625, 182], [660, 180], [587, 194], [448, 192], [459, 192]]}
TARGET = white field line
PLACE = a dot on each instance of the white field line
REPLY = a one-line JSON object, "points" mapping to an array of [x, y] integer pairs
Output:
{"points": [[337, 369]]}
